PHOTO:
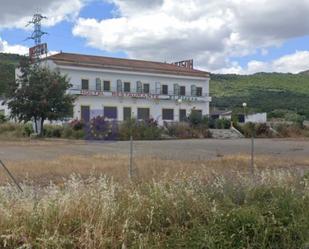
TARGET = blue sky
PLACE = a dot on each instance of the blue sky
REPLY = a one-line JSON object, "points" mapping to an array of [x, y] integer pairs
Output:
{"points": [[218, 36]]}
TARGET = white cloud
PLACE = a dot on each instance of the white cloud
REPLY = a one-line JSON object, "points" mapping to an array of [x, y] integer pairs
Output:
{"points": [[5, 47], [291, 63], [16, 13], [211, 32]]}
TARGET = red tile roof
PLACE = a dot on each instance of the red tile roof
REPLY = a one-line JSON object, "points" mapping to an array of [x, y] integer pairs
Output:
{"points": [[80, 60]]}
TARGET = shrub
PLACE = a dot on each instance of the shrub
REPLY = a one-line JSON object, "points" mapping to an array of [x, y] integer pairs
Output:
{"points": [[77, 124], [262, 130], [291, 130], [70, 133], [101, 129], [2, 118], [55, 131], [13, 130], [28, 129], [222, 123], [140, 130], [183, 130], [195, 118]]}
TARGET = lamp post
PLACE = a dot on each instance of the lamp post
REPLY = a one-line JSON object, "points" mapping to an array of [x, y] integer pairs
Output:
{"points": [[244, 105]]}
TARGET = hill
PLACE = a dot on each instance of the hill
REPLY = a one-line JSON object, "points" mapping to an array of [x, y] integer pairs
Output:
{"points": [[262, 91], [8, 62]]}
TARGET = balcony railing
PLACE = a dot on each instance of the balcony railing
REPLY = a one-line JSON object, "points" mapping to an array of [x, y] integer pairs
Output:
{"points": [[76, 90]]}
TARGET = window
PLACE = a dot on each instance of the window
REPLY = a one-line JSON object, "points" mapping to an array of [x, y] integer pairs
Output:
{"points": [[127, 87], [176, 89], [85, 113], [119, 85], [106, 86], [139, 87], [126, 113], [168, 114], [199, 91], [146, 88], [85, 84], [182, 91], [143, 113], [98, 86], [110, 112], [165, 89], [182, 115]]}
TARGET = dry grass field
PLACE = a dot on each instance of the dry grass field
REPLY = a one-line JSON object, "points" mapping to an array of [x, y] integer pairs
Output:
{"points": [[87, 201], [42, 172]]}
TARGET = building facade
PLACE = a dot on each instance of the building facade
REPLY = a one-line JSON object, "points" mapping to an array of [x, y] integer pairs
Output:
{"points": [[120, 89]]}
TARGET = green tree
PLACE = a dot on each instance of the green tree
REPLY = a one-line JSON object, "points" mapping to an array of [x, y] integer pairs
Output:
{"points": [[39, 94]]}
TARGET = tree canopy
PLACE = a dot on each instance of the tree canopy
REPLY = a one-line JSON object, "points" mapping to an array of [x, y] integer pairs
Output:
{"points": [[39, 94]]}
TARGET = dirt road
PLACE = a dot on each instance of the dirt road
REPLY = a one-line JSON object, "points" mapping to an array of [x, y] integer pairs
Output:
{"points": [[169, 149]]}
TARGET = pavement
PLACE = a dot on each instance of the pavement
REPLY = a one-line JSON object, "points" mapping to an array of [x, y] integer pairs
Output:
{"points": [[193, 149]]}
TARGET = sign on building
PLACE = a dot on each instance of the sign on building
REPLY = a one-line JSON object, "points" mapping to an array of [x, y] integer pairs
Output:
{"points": [[37, 51]]}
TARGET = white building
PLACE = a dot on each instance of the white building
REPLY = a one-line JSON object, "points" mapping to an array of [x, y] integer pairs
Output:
{"points": [[4, 108], [256, 118], [123, 88]]}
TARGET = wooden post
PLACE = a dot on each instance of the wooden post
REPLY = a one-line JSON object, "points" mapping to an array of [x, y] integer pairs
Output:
{"points": [[131, 158], [252, 154]]}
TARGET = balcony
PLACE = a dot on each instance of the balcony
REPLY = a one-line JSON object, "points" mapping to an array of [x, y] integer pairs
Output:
{"points": [[76, 90]]}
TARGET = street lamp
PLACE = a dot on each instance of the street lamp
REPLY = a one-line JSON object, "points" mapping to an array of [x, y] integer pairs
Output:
{"points": [[244, 105]]}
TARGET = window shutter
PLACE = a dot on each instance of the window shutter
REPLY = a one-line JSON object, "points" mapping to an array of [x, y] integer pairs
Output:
{"points": [[139, 87], [176, 89], [98, 85], [193, 90], [119, 86], [158, 87]]}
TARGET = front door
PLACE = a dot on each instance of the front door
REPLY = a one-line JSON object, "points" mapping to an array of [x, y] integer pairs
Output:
{"points": [[85, 113]]}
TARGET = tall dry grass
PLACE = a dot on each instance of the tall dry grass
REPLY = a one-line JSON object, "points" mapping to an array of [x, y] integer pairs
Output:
{"points": [[145, 168], [169, 204]]}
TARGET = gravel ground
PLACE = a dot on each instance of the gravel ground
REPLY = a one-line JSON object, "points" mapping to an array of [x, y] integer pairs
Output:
{"points": [[168, 149]]}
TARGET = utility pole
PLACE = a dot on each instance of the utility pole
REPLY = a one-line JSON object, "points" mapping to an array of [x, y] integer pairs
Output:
{"points": [[39, 48], [37, 33]]}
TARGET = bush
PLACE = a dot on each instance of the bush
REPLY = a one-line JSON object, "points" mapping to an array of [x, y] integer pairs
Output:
{"points": [[140, 130], [70, 133], [101, 129], [77, 124], [28, 129], [258, 130], [2, 118], [195, 118], [222, 124], [183, 130], [14, 130], [55, 131], [291, 130], [262, 130]]}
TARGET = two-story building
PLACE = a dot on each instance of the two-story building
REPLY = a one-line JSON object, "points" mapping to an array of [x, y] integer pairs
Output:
{"points": [[122, 88]]}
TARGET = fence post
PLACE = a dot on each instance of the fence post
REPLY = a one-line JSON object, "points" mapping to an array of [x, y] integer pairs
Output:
{"points": [[252, 154], [131, 157], [11, 176]]}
